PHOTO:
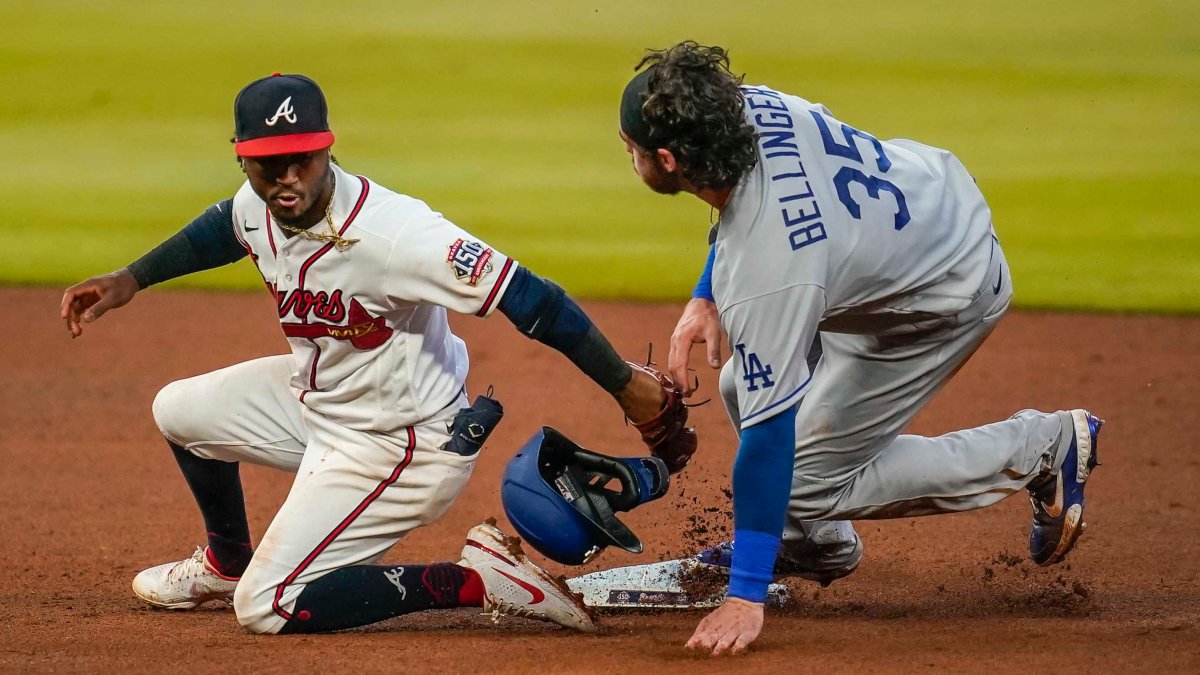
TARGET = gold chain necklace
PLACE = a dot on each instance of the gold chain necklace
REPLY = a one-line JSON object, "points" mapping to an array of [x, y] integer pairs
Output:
{"points": [[340, 243]]}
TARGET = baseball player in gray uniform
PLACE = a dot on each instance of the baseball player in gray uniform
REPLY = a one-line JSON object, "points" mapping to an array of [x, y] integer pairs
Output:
{"points": [[853, 277], [369, 409]]}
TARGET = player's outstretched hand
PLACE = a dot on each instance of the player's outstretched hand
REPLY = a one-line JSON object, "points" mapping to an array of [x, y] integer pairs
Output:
{"points": [[729, 629], [699, 323], [88, 300]]}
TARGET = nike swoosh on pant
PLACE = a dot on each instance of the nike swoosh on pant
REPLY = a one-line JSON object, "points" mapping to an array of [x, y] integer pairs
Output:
{"points": [[999, 280], [536, 592]]}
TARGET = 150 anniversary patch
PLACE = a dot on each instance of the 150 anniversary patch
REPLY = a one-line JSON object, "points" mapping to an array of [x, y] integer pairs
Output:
{"points": [[470, 260]]}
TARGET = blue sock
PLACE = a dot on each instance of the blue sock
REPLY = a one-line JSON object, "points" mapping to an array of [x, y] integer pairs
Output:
{"points": [[217, 488], [365, 594]]}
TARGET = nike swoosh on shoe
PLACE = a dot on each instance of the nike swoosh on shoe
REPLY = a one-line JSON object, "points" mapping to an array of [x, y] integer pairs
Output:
{"points": [[534, 591]]}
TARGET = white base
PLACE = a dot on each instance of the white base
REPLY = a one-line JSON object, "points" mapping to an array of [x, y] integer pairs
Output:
{"points": [[656, 585]]}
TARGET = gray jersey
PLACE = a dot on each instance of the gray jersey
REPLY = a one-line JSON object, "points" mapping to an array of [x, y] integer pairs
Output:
{"points": [[835, 230]]}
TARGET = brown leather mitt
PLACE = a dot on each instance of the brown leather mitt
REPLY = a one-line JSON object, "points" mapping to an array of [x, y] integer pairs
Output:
{"points": [[667, 434]]}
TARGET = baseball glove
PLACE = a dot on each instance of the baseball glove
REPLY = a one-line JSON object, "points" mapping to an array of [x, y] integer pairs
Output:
{"points": [[667, 434]]}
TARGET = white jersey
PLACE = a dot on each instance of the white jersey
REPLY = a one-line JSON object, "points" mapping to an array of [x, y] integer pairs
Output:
{"points": [[835, 230], [367, 326]]}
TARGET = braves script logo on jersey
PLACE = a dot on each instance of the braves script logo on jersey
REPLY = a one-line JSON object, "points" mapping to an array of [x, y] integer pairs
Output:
{"points": [[286, 111], [470, 261], [301, 303], [361, 330]]}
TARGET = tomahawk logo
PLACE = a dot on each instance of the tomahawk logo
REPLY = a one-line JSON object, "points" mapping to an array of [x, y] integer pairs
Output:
{"points": [[393, 575], [286, 111]]}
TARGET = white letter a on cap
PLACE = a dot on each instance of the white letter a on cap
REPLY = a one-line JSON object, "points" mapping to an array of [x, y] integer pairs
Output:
{"points": [[285, 111]]}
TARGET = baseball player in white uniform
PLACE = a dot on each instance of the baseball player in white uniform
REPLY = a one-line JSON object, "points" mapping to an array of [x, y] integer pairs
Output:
{"points": [[369, 408], [853, 277]]}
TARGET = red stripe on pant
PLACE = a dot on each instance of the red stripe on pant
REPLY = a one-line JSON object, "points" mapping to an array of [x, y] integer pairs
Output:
{"points": [[395, 475]]}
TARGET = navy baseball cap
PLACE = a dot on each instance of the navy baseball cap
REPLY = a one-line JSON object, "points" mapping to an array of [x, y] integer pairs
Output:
{"points": [[280, 115]]}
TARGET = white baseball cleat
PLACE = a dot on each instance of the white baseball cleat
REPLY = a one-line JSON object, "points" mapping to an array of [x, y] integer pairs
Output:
{"points": [[186, 584], [514, 586]]}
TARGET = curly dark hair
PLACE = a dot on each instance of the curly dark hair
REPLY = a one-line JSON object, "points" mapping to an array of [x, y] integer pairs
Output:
{"points": [[695, 109]]}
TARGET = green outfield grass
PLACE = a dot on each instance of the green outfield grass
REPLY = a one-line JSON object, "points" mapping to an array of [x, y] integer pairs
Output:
{"points": [[1079, 119]]}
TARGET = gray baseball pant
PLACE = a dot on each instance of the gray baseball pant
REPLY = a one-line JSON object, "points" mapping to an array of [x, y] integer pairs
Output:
{"points": [[853, 463]]}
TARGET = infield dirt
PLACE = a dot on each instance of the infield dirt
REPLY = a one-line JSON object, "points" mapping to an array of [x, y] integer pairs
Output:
{"points": [[90, 495]]}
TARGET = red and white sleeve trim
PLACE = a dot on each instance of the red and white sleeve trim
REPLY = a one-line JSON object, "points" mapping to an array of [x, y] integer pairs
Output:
{"points": [[498, 288]]}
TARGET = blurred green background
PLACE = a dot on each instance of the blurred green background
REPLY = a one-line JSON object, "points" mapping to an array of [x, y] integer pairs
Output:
{"points": [[1079, 119]]}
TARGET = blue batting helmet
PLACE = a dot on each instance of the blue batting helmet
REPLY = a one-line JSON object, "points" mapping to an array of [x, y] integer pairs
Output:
{"points": [[554, 495]]}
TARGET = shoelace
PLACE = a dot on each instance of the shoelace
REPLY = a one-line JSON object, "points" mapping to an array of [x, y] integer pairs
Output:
{"points": [[504, 608], [188, 567]]}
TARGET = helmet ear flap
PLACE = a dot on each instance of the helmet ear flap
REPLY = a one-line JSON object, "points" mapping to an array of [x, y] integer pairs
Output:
{"points": [[556, 495]]}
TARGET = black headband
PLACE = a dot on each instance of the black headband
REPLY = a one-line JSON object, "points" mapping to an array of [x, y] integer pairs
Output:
{"points": [[632, 122]]}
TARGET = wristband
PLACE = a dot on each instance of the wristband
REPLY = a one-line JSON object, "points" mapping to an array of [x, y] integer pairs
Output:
{"points": [[753, 563]]}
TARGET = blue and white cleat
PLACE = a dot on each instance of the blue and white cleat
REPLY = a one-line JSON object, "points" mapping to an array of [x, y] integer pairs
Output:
{"points": [[1058, 498], [822, 564]]}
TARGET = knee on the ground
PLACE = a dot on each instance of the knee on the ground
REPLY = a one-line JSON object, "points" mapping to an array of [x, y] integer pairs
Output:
{"points": [[253, 604]]}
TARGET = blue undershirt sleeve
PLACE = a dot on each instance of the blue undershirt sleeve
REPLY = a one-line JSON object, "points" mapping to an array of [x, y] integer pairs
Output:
{"points": [[704, 285], [762, 484], [205, 243], [543, 311]]}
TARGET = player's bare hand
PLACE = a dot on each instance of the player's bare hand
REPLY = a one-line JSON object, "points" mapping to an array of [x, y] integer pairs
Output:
{"points": [[699, 323], [729, 629], [642, 398], [88, 300]]}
